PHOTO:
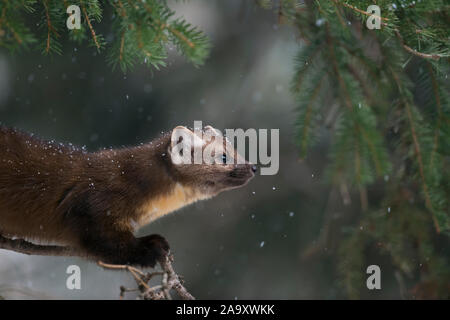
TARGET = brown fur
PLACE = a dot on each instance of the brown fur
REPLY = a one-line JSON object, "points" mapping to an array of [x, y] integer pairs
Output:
{"points": [[55, 193]]}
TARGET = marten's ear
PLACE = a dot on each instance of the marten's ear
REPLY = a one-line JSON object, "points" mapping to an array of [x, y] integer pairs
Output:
{"points": [[182, 143]]}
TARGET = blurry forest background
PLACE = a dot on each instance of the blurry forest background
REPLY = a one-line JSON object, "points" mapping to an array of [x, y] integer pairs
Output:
{"points": [[280, 237]]}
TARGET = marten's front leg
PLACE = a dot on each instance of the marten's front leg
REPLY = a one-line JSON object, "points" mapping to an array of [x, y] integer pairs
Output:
{"points": [[103, 238], [150, 250], [121, 247]]}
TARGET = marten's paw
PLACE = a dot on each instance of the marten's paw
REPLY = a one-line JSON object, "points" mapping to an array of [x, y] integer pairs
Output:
{"points": [[153, 248]]}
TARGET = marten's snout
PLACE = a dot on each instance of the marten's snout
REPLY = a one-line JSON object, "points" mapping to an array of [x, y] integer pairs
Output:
{"points": [[254, 168]]}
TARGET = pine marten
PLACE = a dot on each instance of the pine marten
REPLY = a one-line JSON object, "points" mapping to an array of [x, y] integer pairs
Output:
{"points": [[57, 193]]}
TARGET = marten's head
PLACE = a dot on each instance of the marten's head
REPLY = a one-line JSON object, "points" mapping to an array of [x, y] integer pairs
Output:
{"points": [[206, 161]]}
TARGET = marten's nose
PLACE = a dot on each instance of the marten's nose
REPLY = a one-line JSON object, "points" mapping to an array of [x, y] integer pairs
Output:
{"points": [[254, 168]]}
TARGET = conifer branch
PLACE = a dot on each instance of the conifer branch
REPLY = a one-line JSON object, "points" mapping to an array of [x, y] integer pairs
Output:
{"points": [[366, 89], [309, 112], [338, 13], [433, 56], [49, 25], [357, 161], [179, 35], [348, 103], [5, 21], [158, 29], [141, 43], [121, 9], [417, 152], [88, 21], [439, 116], [371, 146], [301, 73], [361, 63], [122, 43], [421, 168], [359, 10]]}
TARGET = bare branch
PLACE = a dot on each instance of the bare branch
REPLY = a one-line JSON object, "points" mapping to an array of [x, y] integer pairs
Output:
{"points": [[25, 247], [170, 281]]}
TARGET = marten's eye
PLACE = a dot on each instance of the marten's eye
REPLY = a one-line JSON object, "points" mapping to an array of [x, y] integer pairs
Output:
{"points": [[224, 158]]}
